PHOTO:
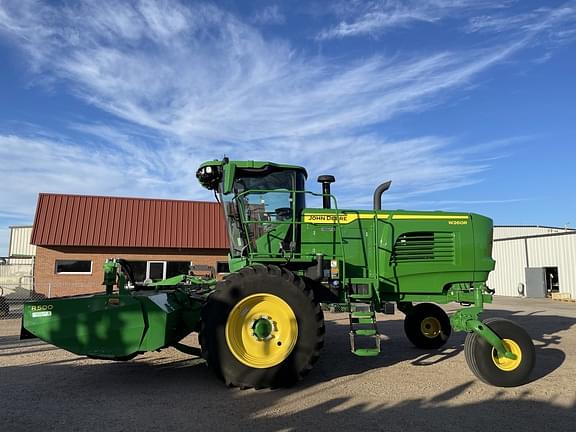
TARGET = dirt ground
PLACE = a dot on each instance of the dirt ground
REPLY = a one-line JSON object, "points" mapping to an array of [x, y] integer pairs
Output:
{"points": [[43, 388]]}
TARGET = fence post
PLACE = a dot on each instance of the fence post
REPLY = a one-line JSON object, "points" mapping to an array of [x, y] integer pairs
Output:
{"points": [[49, 290]]}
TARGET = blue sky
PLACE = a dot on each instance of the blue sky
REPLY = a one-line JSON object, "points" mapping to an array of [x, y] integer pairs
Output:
{"points": [[464, 104]]}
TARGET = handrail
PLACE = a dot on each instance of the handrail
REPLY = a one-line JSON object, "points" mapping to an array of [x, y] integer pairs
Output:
{"points": [[245, 222]]}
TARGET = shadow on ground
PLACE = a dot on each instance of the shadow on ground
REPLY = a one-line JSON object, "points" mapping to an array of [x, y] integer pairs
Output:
{"points": [[543, 328], [183, 396], [156, 393]]}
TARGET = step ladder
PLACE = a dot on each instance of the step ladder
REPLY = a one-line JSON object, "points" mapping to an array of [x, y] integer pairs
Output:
{"points": [[363, 329]]}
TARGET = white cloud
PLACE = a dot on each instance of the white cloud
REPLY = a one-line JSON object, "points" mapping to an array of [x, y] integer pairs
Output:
{"points": [[546, 26], [374, 17], [269, 15], [216, 78], [38, 165], [189, 82], [537, 20]]}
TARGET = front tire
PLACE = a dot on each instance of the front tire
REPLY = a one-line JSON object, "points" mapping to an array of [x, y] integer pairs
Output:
{"points": [[427, 326], [261, 328], [486, 364]]}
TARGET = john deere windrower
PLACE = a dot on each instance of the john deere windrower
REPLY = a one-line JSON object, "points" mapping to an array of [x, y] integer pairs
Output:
{"points": [[262, 325]]}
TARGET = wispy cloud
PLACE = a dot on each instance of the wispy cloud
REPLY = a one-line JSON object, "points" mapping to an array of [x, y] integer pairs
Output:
{"points": [[107, 163], [361, 18], [545, 26], [375, 17], [270, 15], [217, 79], [38, 164], [188, 82], [544, 19]]}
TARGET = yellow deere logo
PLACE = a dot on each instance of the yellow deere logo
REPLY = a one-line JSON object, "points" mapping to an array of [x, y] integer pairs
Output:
{"points": [[343, 218]]}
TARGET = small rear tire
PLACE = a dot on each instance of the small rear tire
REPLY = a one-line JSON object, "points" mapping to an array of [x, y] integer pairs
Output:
{"points": [[427, 326], [484, 361]]}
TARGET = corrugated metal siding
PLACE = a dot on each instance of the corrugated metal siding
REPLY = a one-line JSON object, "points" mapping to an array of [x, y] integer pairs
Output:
{"points": [[78, 220], [556, 251], [20, 241], [510, 259], [523, 231], [549, 251]]}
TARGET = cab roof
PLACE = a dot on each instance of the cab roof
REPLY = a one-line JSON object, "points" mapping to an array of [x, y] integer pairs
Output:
{"points": [[240, 164]]}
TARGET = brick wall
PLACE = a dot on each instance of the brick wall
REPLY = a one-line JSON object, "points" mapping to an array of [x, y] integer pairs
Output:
{"points": [[49, 283]]}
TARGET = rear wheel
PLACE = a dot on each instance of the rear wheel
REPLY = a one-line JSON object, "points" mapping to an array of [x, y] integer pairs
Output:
{"points": [[427, 326], [485, 362], [261, 328]]}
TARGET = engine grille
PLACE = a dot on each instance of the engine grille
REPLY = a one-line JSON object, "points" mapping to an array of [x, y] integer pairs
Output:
{"points": [[424, 247]]}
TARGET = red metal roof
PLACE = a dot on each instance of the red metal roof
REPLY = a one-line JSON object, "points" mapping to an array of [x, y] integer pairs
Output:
{"points": [[80, 220]]}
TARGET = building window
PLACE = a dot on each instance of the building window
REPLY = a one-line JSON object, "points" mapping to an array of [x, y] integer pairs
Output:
{"points": [[156, 270], [73, 267], [222, 267], [176, 268], [139, 270]]}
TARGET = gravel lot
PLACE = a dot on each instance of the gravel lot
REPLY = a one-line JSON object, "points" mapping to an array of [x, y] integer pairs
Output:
{"points": [[44, 388]]}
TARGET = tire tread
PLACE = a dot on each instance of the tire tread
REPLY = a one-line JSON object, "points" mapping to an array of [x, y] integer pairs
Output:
{"points": [[235, 279]]}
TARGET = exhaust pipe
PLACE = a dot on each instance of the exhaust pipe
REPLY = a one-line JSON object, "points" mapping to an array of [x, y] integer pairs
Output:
{"points": [[326, 180], [378, 194]]}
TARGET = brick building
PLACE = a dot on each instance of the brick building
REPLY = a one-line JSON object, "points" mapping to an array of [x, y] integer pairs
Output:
{"points": [[75, 234]]}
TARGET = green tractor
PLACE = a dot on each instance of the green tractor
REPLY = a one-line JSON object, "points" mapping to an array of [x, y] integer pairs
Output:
{"points": [[262, 325]]}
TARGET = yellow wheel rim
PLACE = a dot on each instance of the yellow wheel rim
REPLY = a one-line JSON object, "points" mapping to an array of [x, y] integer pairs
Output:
{"points": [[261, 331], [504, 363], [430, 327]]}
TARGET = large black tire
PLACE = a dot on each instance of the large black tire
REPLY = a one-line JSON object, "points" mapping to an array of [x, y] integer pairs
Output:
{"points": [[427, 326], [233, 303], [485, 364]]}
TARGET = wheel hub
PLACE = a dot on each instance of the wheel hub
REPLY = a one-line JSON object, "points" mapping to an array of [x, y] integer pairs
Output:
{"points": [[504, 363], [430, 327], [261, 330]]}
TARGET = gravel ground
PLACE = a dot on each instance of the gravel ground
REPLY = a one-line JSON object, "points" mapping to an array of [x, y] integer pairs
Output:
{"points": [[44, 388]]}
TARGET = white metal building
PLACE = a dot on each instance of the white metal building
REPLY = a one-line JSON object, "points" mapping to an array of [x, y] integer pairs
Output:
{"points": [[534, 261], [19, 245], [509, 231], [17, 269]]}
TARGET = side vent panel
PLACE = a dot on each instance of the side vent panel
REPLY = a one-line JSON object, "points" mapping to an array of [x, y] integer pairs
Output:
{"points": [[424, 246]]}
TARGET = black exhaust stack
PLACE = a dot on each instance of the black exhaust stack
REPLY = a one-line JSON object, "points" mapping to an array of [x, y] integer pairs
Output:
{"points": [[326, 180], [378, 194]]}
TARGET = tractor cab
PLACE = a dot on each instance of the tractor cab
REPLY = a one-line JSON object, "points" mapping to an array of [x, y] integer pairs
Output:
{"points": [[262, 204]]}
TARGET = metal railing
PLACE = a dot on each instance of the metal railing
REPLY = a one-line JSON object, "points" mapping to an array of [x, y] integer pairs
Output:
{"points": [[14, 295], [16, 285]]}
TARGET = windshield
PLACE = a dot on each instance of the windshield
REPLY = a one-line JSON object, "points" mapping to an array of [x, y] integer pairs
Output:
{"points": [[263, 201]]}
